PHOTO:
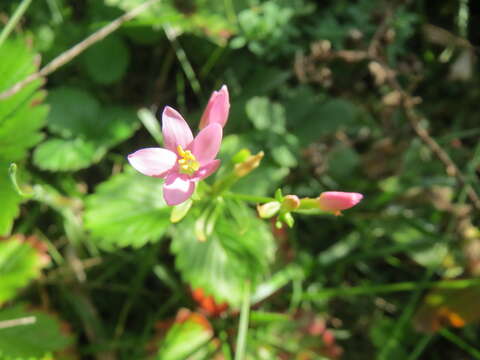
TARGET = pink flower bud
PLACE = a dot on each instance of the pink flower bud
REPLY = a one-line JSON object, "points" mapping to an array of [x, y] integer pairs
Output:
{"points": [[335, 201], [217, 108]]}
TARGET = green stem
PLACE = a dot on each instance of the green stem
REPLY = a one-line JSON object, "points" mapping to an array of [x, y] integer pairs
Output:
{"points": [[243, 326], [14, 20], [56, 13], [462, 344], [390, 288], [401, 324], [12, 172], [246, 197], [183, 59], [420, 347]]}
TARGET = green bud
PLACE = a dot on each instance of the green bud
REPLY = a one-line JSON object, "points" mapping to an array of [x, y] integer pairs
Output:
{"points": [[267, 210], [290, 203]]}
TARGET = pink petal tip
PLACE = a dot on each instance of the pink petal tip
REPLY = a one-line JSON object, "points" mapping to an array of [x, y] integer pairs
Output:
{"points": [[217, 108], [335, 201]]}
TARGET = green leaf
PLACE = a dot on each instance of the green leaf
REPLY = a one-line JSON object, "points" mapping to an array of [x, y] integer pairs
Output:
{"points": [[89, 130], [266, 115], [127, 210], [73, 112], [19, 264], [186, 16], [431, 256], [186, 338], [21, 118], [107, 61], [19, 130], [38, 337], [116, 124], [66, 155], [342, 162], [324, 119], [241, 247], [284, 156]]}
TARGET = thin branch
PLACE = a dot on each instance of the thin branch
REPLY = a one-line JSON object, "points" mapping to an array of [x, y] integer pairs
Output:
{"points": [[408, 103], [73, 52], [450, 166], [28, 320]]}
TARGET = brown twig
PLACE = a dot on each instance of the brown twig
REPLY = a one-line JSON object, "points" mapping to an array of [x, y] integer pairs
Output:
{"points": [[305, 66], [76, 50], [408, 102], [450, 166]]}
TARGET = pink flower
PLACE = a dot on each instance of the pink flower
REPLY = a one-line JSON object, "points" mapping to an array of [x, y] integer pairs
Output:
{"points": [[184, 161], [335, 201], [217, 108]]}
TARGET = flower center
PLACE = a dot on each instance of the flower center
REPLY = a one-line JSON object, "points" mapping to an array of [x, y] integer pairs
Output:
{"points": [[187, 163]]}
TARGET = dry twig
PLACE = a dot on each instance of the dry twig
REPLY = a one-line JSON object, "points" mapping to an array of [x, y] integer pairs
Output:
{"points": [[28, 320], [307, 67], [408, 102]]}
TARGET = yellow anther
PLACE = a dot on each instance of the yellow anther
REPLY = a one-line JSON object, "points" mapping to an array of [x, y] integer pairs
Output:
{"points": [[180, 151], [188, 164]]}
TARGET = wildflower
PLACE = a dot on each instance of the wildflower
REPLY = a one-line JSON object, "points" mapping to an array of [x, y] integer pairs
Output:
{"points": [[217, 108], [184, 161], [332, 201], [335, 201]]}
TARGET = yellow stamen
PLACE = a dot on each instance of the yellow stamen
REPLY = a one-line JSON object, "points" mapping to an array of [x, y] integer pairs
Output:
{"points": [[188, 164]]}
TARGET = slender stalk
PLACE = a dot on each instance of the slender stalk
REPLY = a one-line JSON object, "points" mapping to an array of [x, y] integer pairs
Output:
{"points": [[462, 344], [390, 288], [401, 324], [246, 197], [243, 326], [420, 347], [183, 59], [14, 20], [56, 14]]}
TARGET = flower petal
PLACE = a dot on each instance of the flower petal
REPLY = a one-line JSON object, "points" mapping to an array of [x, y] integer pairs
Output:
{"points": [[206, 144], [175, 130], [153, 161], [217, 108], [338, 200], [177, 189], [206, 170]]}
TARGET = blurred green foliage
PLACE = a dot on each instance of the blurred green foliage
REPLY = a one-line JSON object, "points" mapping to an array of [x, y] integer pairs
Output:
{"points": [[310, 85]]}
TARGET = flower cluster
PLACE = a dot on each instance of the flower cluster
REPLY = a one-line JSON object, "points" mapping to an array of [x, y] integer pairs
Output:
{"points": [[185, 160]]}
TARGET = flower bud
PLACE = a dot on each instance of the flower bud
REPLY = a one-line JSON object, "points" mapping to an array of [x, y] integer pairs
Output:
{"points": [[267, 210], [290, 203], [248, 165], [217, 108], [335, 201]]}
